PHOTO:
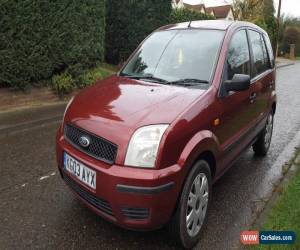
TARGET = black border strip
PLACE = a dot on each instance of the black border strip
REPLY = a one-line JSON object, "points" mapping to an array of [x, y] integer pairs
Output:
{"points": [[145, 190]]}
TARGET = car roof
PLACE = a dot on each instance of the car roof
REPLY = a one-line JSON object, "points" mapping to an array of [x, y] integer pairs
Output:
{"points": [[210, 24]]}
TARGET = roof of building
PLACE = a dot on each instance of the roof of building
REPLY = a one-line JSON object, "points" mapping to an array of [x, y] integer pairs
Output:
{"points": [[196, 7], [220, 11]]}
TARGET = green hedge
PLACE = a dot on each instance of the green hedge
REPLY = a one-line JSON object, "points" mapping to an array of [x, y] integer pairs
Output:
{"points": [[129, 22], [185, 15], [42, 37]]}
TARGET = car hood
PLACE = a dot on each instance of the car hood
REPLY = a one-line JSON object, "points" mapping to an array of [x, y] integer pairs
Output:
{"points": [[114, 108]]}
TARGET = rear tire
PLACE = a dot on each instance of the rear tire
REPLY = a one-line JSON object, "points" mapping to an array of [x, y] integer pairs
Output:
{"points": [[262, 144], [191, 212]]}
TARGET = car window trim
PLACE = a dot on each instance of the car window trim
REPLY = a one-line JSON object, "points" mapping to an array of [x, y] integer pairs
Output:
{"points": [[271, 62], [260, 76], [266, 49], [253, 68], [213, 72]]}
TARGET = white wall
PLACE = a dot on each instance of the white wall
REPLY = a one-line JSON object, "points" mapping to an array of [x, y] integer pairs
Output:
{"points": [[230, 16], [179, 5]]}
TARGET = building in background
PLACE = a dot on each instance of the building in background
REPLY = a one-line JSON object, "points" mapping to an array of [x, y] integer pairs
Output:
{"points": [[177, 4], [219, 9], [195, 7], [223, 12]]}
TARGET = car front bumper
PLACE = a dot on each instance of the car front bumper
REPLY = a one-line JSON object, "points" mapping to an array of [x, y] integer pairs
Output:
{"points": [[134, 198]]}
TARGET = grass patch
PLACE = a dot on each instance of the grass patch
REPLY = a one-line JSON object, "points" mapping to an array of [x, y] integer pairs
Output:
{"points": [[75, 78], [91, 76], [285, 215]]}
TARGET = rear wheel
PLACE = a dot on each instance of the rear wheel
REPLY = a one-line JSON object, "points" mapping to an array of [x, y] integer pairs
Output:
{"points": [[262, 144], [191, 212]]}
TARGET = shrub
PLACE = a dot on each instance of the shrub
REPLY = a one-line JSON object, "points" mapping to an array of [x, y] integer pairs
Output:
{"points": [[91, 76], [65, 82], [62, 83], [185, 15], [39, 38], [129, 22]]}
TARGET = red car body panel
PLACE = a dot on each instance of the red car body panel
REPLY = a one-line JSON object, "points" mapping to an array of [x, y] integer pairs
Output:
{"points": [[122, 105], [116, 107]]}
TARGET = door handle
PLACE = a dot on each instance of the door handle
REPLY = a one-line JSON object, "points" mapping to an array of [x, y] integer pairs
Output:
{"points": [[271, 84], [252, 97]]}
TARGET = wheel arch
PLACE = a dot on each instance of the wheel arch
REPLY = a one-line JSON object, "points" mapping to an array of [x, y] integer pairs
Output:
{"points": [[209, 157], [203, 145]]}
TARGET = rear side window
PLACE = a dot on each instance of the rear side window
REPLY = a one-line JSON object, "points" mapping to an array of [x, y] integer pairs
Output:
{"points": [[238, 59], [260, 54], [270, 50]]}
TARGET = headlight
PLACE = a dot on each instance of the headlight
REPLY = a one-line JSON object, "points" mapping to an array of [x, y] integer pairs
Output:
{"points": [[68, 105], [143, 146]]}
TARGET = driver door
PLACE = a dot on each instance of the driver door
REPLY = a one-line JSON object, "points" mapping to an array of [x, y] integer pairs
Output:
{"points": [[237, 107]]}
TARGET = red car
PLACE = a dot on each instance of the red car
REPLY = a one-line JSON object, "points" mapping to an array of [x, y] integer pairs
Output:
{"points": [[142, 148]]}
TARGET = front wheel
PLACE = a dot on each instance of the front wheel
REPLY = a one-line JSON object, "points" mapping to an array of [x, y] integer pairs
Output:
{"points": [[262, 144], [191, 212]]}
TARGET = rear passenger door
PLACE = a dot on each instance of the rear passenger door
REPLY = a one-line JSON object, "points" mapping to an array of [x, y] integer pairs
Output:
{"points": [[263, 73]]}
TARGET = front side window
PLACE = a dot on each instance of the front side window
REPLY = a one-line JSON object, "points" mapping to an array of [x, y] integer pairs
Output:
{"points": [[174, 55], [238, 59], [260, 55]]}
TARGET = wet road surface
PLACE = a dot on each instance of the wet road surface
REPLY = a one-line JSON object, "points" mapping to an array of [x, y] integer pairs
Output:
{"points": [[38, 211]]}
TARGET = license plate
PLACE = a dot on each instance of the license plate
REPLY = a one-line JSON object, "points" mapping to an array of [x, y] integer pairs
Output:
{"points": [[80, 171]]}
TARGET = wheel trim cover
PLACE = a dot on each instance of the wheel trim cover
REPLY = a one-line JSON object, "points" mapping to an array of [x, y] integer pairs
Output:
{"points": [[269, 131], [197, 204]]}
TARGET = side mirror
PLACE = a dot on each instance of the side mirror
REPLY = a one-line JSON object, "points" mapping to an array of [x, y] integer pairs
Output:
{"points": [[239, 82]]}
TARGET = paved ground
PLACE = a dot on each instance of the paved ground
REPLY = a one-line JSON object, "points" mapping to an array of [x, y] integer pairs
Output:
{"points": [[283, 62], [38, 211]]}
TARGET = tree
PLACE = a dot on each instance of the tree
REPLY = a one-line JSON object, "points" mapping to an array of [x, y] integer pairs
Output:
{"points": [[179, 15], [40, 38], [246, 9], [269, 19], [289, 33], [129, 22]]}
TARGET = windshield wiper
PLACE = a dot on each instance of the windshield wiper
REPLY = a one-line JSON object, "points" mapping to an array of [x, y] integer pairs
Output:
{"points": [[145, 77], [189, 82], [183, 82]]}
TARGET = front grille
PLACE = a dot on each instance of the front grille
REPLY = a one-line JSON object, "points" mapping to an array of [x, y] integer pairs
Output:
{"points": [[135, 213], [98, 203], [99, 148]]}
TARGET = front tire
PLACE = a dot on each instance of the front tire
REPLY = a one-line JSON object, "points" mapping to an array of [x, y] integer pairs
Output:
{"points": [[191, 212], [262, 144]]}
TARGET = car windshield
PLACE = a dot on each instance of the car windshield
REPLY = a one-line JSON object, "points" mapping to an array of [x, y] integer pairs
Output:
{"points": [[181, 57]]}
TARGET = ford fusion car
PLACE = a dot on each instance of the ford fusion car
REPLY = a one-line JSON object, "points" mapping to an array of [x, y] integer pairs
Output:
{"points": [[143, 147]]}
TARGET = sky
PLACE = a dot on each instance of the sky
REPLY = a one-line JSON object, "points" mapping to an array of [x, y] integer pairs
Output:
{"points": [[288, 7]]}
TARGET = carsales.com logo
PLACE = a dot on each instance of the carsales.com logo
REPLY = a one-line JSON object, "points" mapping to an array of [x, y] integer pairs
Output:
{"points": [[267, 237]]}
